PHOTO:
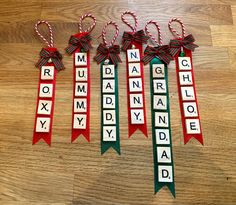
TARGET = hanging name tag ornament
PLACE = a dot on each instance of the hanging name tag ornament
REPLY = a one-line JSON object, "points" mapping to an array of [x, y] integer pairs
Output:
{"points": [[158, 58], [49, 64], [132, 44], [79, 46], [108, 58], [181, 49]]}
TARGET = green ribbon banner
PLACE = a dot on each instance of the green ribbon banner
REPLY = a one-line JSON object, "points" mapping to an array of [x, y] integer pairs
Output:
{"points": [[161, 127], [110, 130]]}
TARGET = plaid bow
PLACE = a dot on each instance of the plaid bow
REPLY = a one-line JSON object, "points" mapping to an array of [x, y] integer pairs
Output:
{"points": [[112, 52], [128, 38], [76, 42], [186, 42], [52, 54], [162, 52]]}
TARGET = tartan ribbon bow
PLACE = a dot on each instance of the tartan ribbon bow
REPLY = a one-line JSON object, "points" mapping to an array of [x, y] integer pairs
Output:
{"points": [[104, 52], [162, 52], [186, 42], [128, 38], [79, 42], [54, 55]]}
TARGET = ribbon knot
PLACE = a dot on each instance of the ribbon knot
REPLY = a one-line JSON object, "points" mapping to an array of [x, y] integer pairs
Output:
{"points": [[129, 37], [50, 53], [162, 52], [79, 41], [104, 52], [186, 42]]}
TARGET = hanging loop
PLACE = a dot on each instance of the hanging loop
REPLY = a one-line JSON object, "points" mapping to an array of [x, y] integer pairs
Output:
{"points": [[41, 36], [91, 27], [159, 42], [104, 33], [174, 31], [134, 28]]}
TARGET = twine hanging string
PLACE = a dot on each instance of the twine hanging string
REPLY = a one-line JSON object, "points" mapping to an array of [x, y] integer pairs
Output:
{"points": [[174, 31], [83, 39], [50, 54], [133, 28], [41, 36], [161, 51], [89, 29], [159, 41], [108, 50], [104, 33], [130, 37], [182, 40]]}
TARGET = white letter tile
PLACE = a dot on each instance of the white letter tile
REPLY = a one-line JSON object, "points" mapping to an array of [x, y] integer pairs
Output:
{"points": [[193, 126], [81, 89], [134, 69], [44, 107], [80, 121], [47, 72], [137, 116], [108, 86], [42, 124], [161, 119], [108, 71], [46, 90], [187, 93], [159, 86], [80, 59], [158, 70], [109, 133], [165, 174], [133, 55], [81, 74], [80, 105], [109, 101]]}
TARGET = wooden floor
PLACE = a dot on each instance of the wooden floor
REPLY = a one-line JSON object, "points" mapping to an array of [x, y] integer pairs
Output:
{"points": [[76, 173]]}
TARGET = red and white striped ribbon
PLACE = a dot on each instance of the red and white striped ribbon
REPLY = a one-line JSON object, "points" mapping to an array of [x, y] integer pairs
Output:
{"points": [[174, 31], [104, 33], [89, 29], [159, 42], [41, 36], [134, 28]]}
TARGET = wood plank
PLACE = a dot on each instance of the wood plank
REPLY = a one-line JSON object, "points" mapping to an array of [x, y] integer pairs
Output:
{"points": [[131, 185], [35, 186], [223, 35], [205, 14], [200, 2], [232, 55], [76, 173], [25, 33], [19, 11]]}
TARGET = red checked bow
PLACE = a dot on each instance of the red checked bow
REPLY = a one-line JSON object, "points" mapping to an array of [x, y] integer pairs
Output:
{"points": [[50, 53], [162, 52], [138, 36], [186, 42], [79, 41], [104, 52]]}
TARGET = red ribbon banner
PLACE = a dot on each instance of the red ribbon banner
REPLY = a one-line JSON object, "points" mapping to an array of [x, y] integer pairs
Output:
{"points": [[187, 97], [81, 93], [45, 102], [135, 89]]}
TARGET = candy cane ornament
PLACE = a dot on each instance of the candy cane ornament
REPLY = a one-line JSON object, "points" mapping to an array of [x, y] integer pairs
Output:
{"points": [[79, 46], [108, 58], [181, 48], [49, 64], [132, 45], [158, 58]]}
